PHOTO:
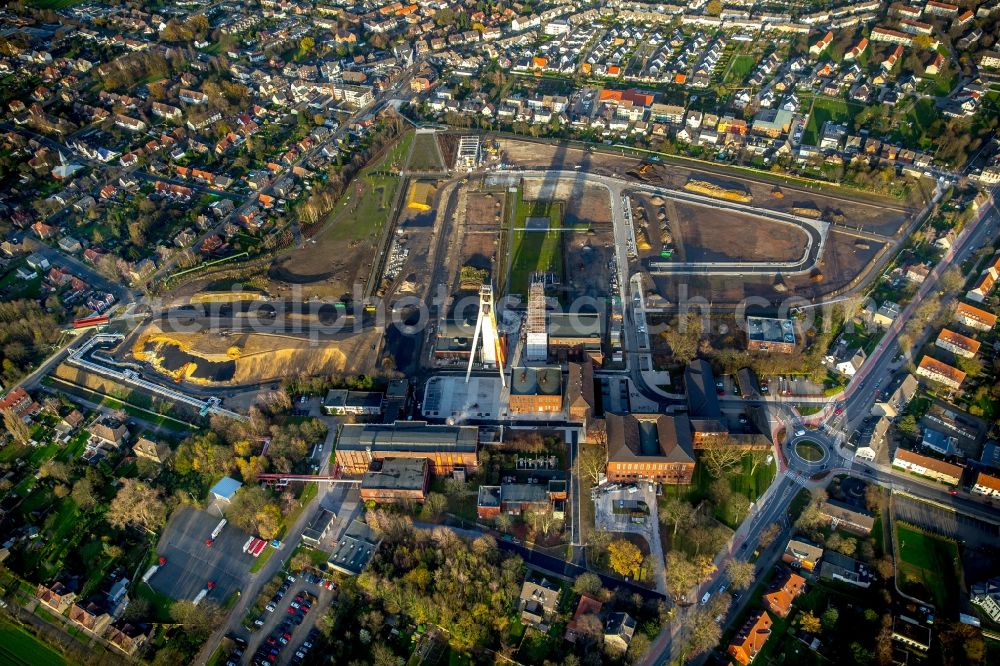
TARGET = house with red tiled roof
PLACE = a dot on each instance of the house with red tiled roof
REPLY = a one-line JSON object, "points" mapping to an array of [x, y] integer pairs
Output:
{"points": [[20, 402], [91, 618], [986, 484], [57, 597], [933, 369], [126, 638], [586, 606], [751, 638], [780, 600], [973, 317]]}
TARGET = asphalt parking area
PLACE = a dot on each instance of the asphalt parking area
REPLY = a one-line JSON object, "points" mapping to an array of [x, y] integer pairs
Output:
{"points": [[191, 564], [320, 599]]}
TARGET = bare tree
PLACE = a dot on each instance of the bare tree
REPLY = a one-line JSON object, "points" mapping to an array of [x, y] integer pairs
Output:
{"points": [[592, 457], [741, 574], [769, 534], [675, 512], [137, 504], [16, 426], [720, 454]]}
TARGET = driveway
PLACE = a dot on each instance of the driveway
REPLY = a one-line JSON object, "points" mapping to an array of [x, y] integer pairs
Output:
{"points": [[648, 528]]}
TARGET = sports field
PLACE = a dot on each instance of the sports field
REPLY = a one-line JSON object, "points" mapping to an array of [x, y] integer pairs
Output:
{"points": [[928, 562], [828, 109], [535, 250], [19, 647]]}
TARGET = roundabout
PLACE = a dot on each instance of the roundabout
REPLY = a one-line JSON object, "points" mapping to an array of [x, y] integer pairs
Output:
{"points": [[810, 451]]}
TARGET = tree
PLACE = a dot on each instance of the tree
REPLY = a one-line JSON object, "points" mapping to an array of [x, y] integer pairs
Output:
{"points": [[769, 534], [434, 505], [382, 655], [503, 522], [682, 574], [809, 623], [198, 621], [829, 618], [16, 426], [713, 8], [676, 512], [136, 504], [54, 469], [704, 632], [625, 558], [588, 583], [592, 457], [254, 510], [970, 366], [720, 454], [684, 337], [907, 425], [741, 574], [83, 494]]}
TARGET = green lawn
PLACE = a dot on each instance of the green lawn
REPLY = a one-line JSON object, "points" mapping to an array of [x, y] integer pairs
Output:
{"points": [[742, 66], [425, 155], [19, 647], [927, 566], [534, 251], [911, 131], [368, 216], [827, 109]]}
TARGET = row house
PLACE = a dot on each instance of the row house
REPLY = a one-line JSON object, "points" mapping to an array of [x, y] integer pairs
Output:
{"points": [[942, 373]]}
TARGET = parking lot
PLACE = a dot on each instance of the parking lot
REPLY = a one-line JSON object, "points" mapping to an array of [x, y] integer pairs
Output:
{"points": [[191, 563], [632, 508], [286, 629]]}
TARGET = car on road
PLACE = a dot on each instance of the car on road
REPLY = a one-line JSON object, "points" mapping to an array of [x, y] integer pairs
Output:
{"points": [[839, 410], [800, 432], [270, 607], [705, 598], [953, 492]]}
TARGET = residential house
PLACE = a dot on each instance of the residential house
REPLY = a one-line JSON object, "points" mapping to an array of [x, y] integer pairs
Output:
{"points": [[786, 587], [747, 643], [157, 452], [927, 466], [987, 485], [107, 432], [57, 597], [587, 606], [956, 343], [871, 443], [318, 527], [127, 638], [986, 595], [802, 553], [973, 317], [896, 402], [917, 273], [20, 402], [618, 631], [942, 373], [886, 314], [538, 602], [845, 517], [850, 367], [92, 618]]}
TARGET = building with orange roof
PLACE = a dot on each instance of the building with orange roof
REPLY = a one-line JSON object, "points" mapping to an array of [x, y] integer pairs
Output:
{"points": [[539, 62], [587, 606], [728, 124], [780, 600], [822, 45], [751, 638], [986, 283], [932, 468], [958, 344], [614, 70], [973, 317], [19, 402], [857, 50], [986, 484], [933, 369]]}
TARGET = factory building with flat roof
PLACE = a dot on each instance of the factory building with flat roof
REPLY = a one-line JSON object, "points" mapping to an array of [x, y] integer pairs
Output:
{"points": [[771, 335], [444, 446], [536, 390], [574, 336]]}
